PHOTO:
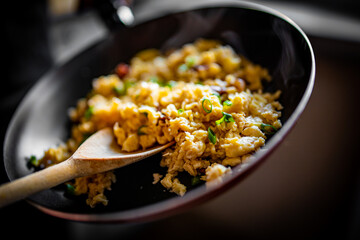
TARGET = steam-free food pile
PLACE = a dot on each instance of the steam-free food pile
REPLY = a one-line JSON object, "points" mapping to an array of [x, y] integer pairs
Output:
{"points": [[203, 96]]}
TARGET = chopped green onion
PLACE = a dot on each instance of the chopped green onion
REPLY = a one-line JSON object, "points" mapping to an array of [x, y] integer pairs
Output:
{"points": [[140, 132], [129, 84], [220, 121], [227, 103], [154, 79], [226, 117], [34, 161], [120, 91], [183, 68], [180, 111], [70, 189], [89, 112], [204, 107], [199, 83], [268, 129], [195, 180], [211, 136], [170, 84], [190, 61]]}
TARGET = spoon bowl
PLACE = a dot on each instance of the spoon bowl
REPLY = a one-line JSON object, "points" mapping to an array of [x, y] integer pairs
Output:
{"points": [[99, 153]]}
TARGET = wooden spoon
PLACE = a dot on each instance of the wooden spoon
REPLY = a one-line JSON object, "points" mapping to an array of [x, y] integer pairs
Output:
{"points": [[99, 153]]}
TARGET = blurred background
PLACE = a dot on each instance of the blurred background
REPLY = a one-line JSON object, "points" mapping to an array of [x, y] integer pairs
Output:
{"points": [[308, 189]]}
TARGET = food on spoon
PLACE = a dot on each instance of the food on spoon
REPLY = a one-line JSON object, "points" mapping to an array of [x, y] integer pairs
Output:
{"points": [[203, 96]]}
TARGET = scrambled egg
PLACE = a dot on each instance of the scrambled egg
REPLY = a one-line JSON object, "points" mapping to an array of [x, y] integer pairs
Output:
{"points": [[204, 96]]}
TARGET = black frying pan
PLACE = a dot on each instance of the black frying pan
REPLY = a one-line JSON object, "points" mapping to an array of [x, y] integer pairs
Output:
{"points": [[261, 34]]}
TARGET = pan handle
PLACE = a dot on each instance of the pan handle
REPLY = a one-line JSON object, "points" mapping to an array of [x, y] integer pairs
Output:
{"points": [[115, 13]]}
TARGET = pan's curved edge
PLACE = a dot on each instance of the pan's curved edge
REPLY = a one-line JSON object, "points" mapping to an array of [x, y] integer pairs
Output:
{"points": [[33, 91]]}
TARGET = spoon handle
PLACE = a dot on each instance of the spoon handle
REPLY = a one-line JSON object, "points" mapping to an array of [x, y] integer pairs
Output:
{"points": [[36, 182]]}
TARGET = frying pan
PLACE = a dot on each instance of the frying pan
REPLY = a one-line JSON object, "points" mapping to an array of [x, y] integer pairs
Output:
{"points": [[261, 34]]}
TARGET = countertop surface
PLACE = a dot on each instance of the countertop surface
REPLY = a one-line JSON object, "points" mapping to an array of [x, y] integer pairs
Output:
{"points": [[309, 188]]}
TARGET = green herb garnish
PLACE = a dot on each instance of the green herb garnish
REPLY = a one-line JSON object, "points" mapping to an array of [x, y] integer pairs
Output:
{"points": [[120, 91], [183, 67], [227, 103], [140, 132], [89, 112], [180, 111], [220, 121], [70, 189], [190, 61], [211, 136], [128, 84], [203, 103], [156, 80], [34, 161], [268, 129], [226, 117], [195, 180], [170, 84]]}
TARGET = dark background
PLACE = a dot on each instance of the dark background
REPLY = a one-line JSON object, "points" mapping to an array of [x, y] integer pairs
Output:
{"points": [[308, 189]]}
